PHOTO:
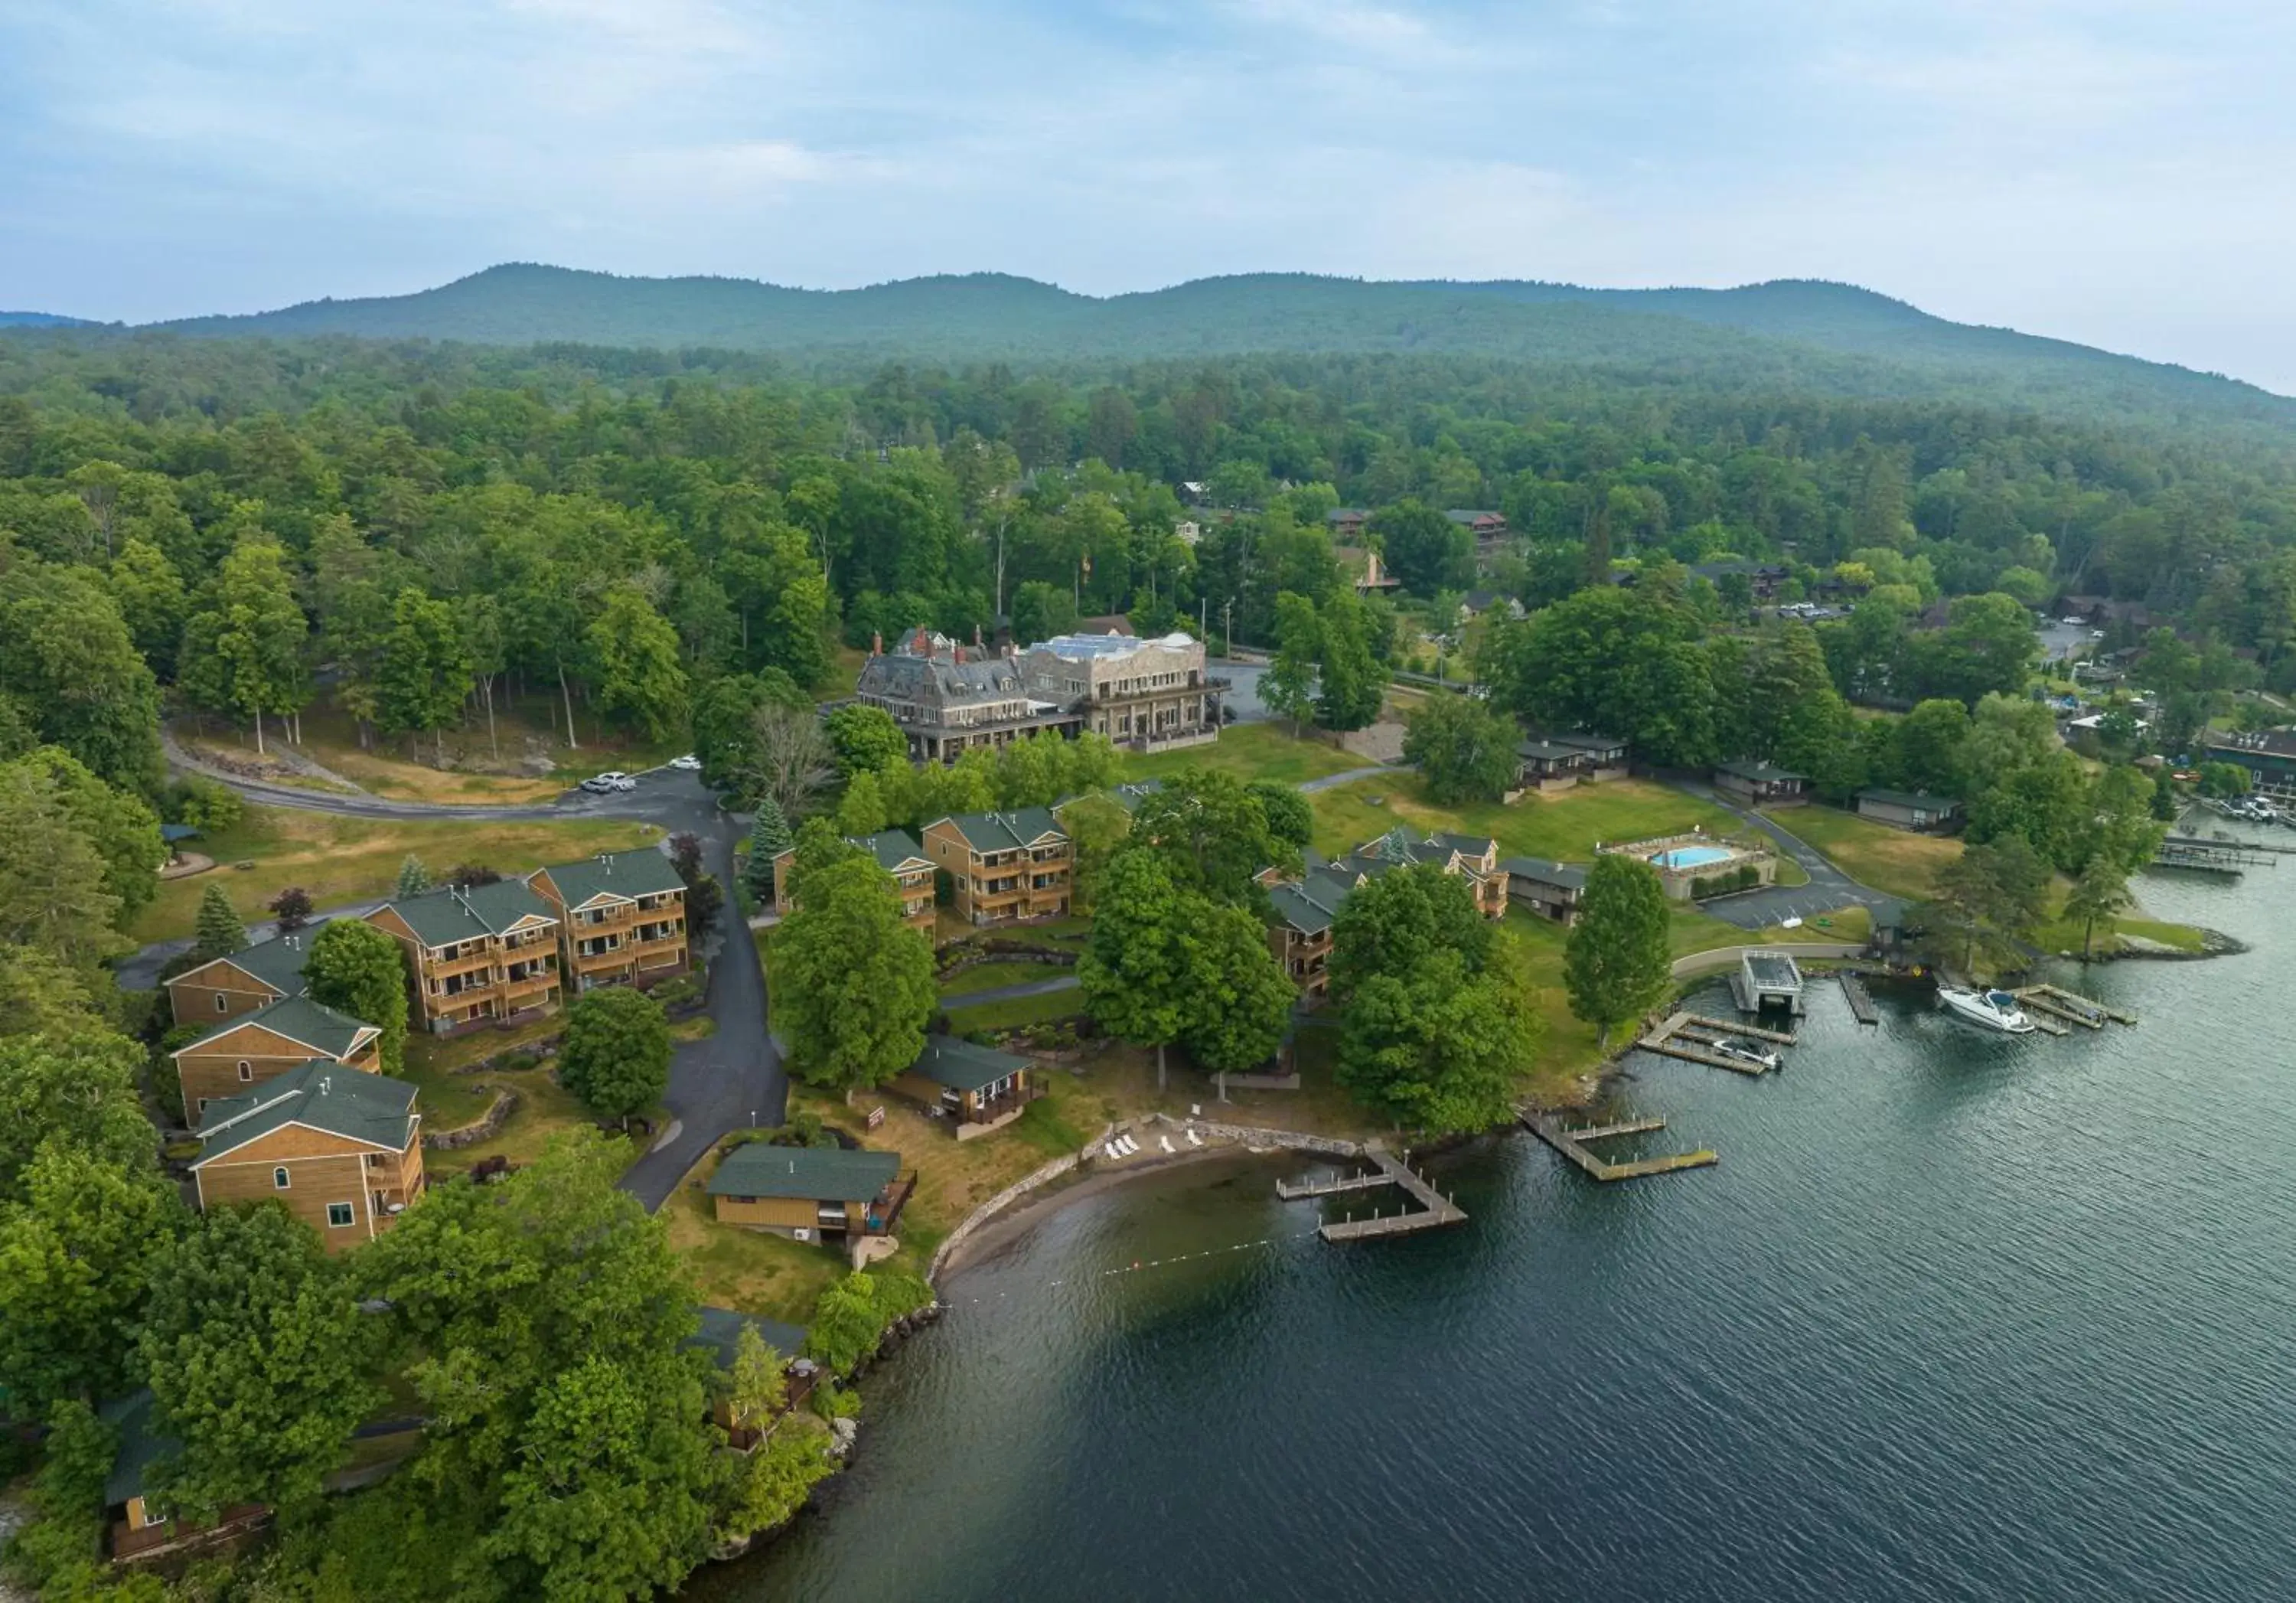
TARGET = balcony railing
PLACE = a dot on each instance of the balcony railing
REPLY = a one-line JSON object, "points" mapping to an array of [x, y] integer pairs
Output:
{"points": [[988, 1110]]}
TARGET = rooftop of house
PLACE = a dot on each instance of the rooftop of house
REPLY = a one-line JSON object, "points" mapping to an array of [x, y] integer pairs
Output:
{"points": [[1107, 623], [1472, 514], [300, 1019], [894, 849], [370, 1108], [1005, 831], [719, 1332], [1758, 773], [941, 680], [1921, 799], [641, 871], [140, 1448], [1087, 647], [277, 962], [1586, 743], [2271, 742], [1310, 904], [806, 1173], [1347, 514], [1570, 876], [446, 915], [958, 1063]]}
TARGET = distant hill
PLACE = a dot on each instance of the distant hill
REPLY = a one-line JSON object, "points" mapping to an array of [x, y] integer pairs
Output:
{"points": [[1825, 336], [42, 320]]}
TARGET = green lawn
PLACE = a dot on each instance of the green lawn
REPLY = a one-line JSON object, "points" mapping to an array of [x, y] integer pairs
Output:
{"points": [[1564, 827], [1250, 752], [1896, 860], [338, 859], [1021, 1010], [990, 976]]}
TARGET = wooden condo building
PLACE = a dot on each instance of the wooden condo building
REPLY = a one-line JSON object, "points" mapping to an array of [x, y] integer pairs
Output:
{"points": [[979, 1086], [803, 1191], [137, 1529], [255, 1049], [1006, 867], [899, 855], [250, 979], [342, 1150], [1549, 889], [1751, 783], [1299, 935], [621, 919], [484, 954]]}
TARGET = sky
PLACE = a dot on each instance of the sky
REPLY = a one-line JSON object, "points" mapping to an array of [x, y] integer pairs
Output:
{"points": [[2115, 173]]}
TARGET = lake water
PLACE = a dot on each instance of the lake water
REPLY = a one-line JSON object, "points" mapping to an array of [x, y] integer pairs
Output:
{"points": [[1957, 1316]]}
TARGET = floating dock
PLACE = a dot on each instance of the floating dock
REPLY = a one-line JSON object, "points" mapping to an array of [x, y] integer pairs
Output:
{"points": [[1861, 999], [2230, 859], [1691, 1037], [1572, 1144], [1434, 1208]]}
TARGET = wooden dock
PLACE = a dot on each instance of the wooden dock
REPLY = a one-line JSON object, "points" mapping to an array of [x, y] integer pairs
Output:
{"points": [[1690, 1038], [1572, 1144], [1861, 1000], [1434, 1208], [2057, 1002]]}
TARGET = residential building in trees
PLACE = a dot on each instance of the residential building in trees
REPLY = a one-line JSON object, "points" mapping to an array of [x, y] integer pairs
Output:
{"points": [[1003, 867], [1148, 695], [249, 979], [137, 1530], [1365, 569], [621, 919], [1300, 933], [243, 1053], [899, 855], [1760, 784], [342, 1151], [475, 956], [1556, 762], [1908, 810], [1549, 889]]}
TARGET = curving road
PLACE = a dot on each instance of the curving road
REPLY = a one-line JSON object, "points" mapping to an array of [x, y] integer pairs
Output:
{"points": [[730, 1080], [1829, 887]]}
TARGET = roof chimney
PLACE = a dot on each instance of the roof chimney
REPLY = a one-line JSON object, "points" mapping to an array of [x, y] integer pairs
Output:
{"points": [[877, 644], [976, 636]]}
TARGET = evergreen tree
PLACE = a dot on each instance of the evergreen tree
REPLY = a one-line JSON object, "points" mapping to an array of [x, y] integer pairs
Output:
{"points": [[220, 932], [769, 837], [414, 878], [1616, 965]]}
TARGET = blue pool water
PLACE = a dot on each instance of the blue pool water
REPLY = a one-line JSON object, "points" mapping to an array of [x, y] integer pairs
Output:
{"points": [[1691, 856]]}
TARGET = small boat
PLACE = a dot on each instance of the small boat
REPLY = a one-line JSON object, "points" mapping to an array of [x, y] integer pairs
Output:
{"points": [[1994, 1009], [1746, 1051]]}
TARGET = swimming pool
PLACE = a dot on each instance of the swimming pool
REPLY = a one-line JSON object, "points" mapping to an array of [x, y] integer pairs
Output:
{"points": [[1692, 857]]}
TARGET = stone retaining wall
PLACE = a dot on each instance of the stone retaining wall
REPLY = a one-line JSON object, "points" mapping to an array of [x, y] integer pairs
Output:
{"points": [[1031, 1182], [489, 1125]]}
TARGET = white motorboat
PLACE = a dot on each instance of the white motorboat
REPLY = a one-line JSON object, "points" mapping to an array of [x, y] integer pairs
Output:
{"points": [[1994, 1009]]}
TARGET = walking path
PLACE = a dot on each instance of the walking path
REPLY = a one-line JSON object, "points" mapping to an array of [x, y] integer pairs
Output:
{"points": [[1333, 781]]}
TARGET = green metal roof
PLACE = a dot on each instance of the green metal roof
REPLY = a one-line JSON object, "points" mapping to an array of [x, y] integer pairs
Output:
{"points": [[1760, 773], [445, 916], [344, 1102], [641, 871], [298, 1019], [720, 1333], [892, 848], [1309, 906], [277, 962], [808, 1173], [1920, 799], [1005, 831], [139, 1448], [959, 1064], [1570, 877], [1472, 845]]}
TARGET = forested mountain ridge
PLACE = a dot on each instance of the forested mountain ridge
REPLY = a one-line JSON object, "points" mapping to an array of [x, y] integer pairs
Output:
{"points": [[1835, 339], [40, 320]]}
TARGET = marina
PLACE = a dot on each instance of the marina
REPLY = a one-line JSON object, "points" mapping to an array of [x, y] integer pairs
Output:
{"points": [[1694, 1038], [1860, 998], [2230, 859]]}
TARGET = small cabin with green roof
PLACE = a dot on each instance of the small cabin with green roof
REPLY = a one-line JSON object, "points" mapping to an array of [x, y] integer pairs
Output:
{"points": [[978, 1087], [802, 1192]]}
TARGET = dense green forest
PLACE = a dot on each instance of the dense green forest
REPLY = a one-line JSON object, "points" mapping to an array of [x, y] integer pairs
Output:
{"points": [[1822, 338]]}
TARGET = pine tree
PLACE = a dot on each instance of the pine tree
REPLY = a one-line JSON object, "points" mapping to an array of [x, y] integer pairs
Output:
{"points": [[220, 932], [414, 878], [769, 837]]}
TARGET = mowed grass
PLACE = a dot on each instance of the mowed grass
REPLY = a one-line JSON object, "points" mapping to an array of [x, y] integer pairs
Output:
{"points": [[546, 1110], [1895, 860], [1260, 750], [338, 858], [1565, 827], [754, 1271], [1013, 1014], [989, 976]]}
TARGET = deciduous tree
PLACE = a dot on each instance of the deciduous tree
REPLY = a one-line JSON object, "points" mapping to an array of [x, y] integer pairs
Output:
{"points": [[1616, 965], [616, 1053], [1438, 1048], [853, 984], [354, 968], [1464, 749], [865, 737], [1389, 925]]}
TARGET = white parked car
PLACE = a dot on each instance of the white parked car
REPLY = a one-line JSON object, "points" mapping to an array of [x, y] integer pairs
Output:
{"points": [[2072, 622], [687, 764], [613, 779]]}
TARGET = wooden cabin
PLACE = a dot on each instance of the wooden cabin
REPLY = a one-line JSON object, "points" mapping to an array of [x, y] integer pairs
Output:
{"points": [[804, 1191], [980, 1087]]}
